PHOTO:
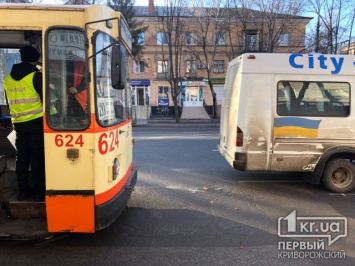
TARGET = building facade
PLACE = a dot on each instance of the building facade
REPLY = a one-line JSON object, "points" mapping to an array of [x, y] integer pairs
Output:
{"points": [[151, 91], [348, 49]]}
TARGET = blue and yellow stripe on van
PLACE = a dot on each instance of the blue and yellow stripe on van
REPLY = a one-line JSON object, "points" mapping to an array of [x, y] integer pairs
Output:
{"points": [[296, 127]]}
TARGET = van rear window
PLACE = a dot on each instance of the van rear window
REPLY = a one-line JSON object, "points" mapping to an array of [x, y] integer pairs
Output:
{"points": [[306, 98]]}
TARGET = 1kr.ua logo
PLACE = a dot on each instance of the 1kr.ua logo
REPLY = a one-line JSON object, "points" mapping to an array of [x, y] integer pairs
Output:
{"points": [[332, 228]]}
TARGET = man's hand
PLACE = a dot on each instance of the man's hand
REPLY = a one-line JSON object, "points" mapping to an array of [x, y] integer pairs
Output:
{"points": [[72, 90]]}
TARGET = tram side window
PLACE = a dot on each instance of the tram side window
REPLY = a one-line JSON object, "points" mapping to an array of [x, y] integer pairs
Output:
{"points": [[304, 98], [67, 100], [110, 102]]}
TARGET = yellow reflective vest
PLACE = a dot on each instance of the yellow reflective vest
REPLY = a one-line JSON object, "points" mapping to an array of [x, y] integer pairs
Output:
{"points": [[24, 101]]}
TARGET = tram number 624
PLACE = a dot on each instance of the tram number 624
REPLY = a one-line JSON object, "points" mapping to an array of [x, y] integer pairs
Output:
{"points": [[108, 142], [68, 140]]}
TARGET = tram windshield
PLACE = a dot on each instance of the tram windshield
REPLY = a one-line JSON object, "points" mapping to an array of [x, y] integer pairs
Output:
{"points": [[67, 97]]}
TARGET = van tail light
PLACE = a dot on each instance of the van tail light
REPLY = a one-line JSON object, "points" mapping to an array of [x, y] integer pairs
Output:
{"points": [[239, 138]]}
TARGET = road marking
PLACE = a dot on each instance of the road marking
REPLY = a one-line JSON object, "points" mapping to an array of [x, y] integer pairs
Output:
{"points": [[193, 190], [342, 194], [271, 181]]}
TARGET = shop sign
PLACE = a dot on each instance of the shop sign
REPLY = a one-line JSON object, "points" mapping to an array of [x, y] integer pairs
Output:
{"points": [[140, 82], [218, 81]]}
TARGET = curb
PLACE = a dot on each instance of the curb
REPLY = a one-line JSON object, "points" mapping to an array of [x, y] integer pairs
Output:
{"points": [[187, 123], [177, 125], [173, 124]]}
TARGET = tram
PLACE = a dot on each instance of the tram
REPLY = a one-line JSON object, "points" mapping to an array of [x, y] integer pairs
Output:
{"points": [[88, 156]]}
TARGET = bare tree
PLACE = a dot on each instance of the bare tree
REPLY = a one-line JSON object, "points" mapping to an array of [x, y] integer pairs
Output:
{"points": [[210, 39], [335, 22], [172, 23], [350, 45], [126, 7], [238, 14], [278, 18]]}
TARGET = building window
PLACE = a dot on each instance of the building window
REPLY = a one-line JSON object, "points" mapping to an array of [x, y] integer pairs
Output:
{"points": [[162, 38], [138, 67], [162, 66], [163, 96], [201, 65], [218, 66], [191, 38], [139, 40], [191, 66], [219, 38], [304, 98], [252, 41], [283, 39]]}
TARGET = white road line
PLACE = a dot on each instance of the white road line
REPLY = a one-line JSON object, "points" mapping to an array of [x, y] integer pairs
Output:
{"points": [[342, 194], [271, 181]]}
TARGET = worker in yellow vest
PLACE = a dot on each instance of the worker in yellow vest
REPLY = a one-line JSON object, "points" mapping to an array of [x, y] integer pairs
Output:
{"points": [[23, 88]]}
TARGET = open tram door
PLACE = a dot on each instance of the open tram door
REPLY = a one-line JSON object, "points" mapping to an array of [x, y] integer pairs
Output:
{"points": [[87, 120]]}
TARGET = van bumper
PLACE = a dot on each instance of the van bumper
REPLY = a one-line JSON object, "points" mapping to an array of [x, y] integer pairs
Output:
{"points": [[240, 161], [108, 212]]}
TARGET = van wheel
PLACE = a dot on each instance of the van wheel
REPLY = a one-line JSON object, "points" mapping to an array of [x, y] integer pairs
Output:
{"points": [[339, 176]]}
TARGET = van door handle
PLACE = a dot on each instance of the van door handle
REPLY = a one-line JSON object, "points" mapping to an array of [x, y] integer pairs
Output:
{"points": [[121, 131]]}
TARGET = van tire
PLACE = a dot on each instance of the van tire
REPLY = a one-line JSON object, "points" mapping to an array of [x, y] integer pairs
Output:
{"points": [[339, 176]]}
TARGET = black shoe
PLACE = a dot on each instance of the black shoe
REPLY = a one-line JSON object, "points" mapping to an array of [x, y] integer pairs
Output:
{"points": [[38, 198], [23, 195]]}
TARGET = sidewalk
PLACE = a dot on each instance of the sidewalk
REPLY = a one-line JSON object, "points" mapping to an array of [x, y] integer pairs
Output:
{"points": [[172, 123]]}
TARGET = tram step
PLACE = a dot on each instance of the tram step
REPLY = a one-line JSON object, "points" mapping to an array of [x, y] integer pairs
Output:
{"points": [[8, 182], [26, 209], [3, 164], [8, 178]]}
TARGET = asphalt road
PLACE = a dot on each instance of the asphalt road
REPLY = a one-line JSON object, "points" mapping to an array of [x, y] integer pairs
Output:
{"points": [[190, 207]]}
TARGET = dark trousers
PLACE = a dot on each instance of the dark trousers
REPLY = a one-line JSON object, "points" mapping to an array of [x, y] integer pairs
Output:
{"points": [[74, 108], [30, 151]]}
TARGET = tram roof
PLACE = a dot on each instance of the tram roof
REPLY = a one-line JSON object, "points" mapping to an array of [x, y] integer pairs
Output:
{"points": [[42, 6]]}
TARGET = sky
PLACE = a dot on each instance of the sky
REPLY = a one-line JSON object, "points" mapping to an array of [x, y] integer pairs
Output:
{"points": [[56, 2], [141, 2]]}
